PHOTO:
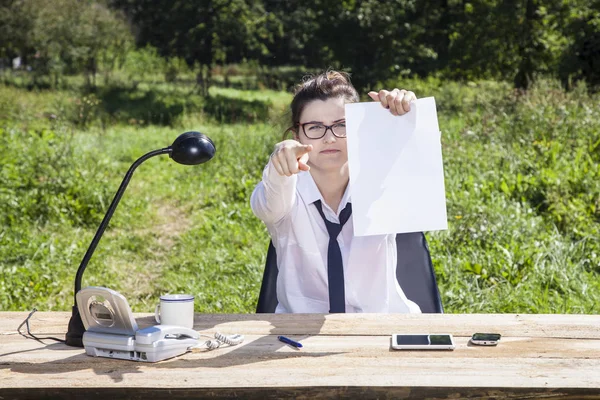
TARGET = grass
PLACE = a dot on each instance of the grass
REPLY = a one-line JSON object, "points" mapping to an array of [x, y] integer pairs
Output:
{"points": [[522, 185]]}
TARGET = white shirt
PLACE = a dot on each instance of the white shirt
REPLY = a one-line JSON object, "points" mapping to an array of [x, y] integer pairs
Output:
{"points": [[285, 205]]}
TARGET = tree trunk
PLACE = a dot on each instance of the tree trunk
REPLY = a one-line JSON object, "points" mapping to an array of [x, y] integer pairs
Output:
{"points": [[208, 79], [203, 78], [444, 34], [524, 76]]}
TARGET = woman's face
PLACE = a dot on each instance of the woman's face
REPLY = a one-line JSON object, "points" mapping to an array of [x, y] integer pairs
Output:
{"points": [[329, 152]]}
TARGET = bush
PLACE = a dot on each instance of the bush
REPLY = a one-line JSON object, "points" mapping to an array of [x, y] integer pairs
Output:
{"points": [[44, 178], [139, 106], [142, 63], [522, 177], [454, 96], [579, 61], [234, 110], [283, 78]]}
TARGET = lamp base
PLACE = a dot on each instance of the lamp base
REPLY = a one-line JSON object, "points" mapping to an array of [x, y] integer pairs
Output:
{"points": [[74, 336]]}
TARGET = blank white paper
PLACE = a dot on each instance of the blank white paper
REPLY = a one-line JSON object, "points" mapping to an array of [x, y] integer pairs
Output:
{"points": [[396, 169]]}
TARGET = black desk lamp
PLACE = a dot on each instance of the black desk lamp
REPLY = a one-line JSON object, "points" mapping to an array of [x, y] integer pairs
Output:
{"points": [[189, 148]]}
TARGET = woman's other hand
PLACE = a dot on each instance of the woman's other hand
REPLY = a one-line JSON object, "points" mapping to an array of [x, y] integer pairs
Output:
{"points": [[398, 101], [290, 157]]}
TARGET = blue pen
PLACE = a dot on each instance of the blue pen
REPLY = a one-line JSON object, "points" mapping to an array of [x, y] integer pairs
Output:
{"points": [[289, 341]]}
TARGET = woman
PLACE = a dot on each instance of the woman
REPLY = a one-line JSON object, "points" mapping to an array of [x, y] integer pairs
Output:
{"points": [[304, 200]]}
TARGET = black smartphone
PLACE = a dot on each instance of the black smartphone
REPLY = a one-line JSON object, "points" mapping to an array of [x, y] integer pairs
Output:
{"points": [[485, 339]]}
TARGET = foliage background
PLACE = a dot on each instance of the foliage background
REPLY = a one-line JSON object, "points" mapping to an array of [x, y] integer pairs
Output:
{"points": [[101, 83]]}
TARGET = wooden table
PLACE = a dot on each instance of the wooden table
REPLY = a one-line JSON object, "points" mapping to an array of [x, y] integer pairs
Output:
{"points": [[344, 355]]}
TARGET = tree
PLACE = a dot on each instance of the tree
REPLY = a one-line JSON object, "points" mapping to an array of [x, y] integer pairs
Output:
{"points": [[17, 20], [207, 33], [372, 39], [64, 36], [506, 39], [581, 58], [376, 40]]}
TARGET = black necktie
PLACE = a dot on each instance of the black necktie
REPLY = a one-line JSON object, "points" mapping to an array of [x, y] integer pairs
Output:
{"points": [[335, 266]]}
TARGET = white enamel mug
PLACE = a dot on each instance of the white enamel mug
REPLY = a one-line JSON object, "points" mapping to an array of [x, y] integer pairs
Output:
{"points": [[175, 309]]}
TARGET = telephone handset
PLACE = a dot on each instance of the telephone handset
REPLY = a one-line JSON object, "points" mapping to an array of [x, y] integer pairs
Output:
{"points": [[161, 332], [159, 342]]}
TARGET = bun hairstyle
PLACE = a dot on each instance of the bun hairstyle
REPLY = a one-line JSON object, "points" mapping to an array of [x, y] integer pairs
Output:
{"points": [[328, 85]]}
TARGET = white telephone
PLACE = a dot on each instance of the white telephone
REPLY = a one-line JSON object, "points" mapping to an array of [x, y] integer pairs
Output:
{"points": [[111, 330]]}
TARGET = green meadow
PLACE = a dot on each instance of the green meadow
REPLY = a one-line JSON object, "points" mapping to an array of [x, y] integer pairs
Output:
{"points": [[522, 175]]}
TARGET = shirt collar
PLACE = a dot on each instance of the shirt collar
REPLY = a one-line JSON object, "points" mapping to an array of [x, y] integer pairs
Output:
{"points": [[308, 190]]}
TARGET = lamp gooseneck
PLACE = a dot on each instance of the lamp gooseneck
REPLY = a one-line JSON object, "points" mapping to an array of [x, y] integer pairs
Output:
{"points": [[109, 214], [190, 148]]}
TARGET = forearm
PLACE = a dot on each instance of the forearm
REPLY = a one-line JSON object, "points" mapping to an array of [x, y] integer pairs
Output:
{"points": [[274, 197]]}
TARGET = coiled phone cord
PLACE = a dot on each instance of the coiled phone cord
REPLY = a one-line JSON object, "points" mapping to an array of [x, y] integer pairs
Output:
{"points": [[218, 340]]}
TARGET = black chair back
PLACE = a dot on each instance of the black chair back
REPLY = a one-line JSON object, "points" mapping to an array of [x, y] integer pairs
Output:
{"points": [[267, 299], [414, 271]]}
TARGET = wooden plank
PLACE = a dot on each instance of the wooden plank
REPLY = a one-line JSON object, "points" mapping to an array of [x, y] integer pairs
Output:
{"points": [[325, 361], [302, 393], [527, 325], [15, 349]]}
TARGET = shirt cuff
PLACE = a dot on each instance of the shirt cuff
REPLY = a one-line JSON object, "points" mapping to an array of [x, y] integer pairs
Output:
{"points": [[272, 178]]}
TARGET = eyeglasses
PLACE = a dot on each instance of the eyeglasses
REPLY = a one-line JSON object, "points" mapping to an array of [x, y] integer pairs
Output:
{"points": [[315, 130]]}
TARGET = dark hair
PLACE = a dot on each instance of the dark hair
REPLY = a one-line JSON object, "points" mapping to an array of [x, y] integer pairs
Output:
{"points": [[328, 85]]}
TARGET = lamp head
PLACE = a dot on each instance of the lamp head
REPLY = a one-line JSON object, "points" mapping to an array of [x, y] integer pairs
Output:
{"points": [[191, 148]]}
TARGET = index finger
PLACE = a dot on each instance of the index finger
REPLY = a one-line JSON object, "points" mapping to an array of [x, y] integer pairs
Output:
{"points": [[303, 149]]}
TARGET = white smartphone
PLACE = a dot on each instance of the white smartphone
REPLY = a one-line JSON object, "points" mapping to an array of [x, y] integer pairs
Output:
{"points": [[485, 339], [442, 341]]}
